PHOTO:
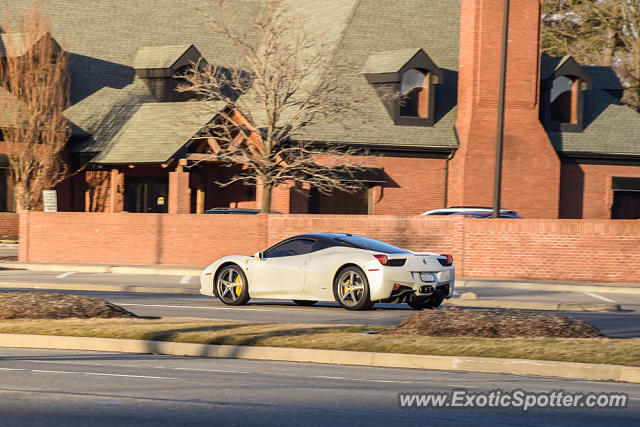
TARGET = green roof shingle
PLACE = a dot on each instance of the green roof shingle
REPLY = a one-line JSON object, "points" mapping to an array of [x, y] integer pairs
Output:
{"points": [[156, 131], [151, 57]]}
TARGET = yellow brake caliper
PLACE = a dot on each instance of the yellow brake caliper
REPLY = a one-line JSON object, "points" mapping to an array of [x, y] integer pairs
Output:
{"points": [[238, 287]]}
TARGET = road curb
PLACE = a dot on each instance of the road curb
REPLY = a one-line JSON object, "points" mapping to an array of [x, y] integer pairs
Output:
{"points": [[584, 371], [97, 288], [526, 305], [632, 290]]}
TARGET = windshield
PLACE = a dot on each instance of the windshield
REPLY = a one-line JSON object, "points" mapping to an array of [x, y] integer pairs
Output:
{"points": [[361, 242]]}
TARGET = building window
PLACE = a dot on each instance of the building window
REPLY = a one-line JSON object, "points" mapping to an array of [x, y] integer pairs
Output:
{"points": [[415, 94], [564, 100]]}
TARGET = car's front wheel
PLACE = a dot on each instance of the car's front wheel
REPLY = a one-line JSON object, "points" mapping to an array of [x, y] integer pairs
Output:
{"points": [[351, 289], [232, 286]]}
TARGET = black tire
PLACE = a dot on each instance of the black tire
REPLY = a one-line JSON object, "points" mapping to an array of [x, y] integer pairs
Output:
{"points": [[344, 292], [430, 302], [304, 303], [228, 280]]}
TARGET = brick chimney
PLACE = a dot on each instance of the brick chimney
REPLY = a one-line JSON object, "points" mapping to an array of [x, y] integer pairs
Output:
{"points": [[531, 167]]}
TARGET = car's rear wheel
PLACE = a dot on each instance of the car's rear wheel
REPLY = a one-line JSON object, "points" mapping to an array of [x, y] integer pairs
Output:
{"points": [[232, 286], [419, 303], [351, 289], [305, 303]]}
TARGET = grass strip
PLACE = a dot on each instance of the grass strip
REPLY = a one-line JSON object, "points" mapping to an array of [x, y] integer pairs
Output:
{"points": [[331, 337]]}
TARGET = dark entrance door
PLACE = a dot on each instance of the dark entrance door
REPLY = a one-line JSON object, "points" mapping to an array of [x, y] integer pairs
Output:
{"points": [[4, 190], [626, 198], [626, 205], [146, 195]]}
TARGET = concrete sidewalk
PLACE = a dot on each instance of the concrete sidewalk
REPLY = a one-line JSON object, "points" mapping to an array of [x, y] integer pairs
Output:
{"points": [[195, 270]]}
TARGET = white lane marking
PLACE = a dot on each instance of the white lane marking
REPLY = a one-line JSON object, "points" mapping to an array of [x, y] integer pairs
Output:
{"points": [[127, 376], [12, 369], [600, 297], [82, 363], [101, 374], [63, 275], [53, 372], [207, 370], [185, 280], [361, 379], [189, 306]]}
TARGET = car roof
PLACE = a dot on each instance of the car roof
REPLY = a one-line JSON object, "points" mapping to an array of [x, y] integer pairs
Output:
{"points": [[321, 236], [235, 211], [486, 214], [464, 209]]}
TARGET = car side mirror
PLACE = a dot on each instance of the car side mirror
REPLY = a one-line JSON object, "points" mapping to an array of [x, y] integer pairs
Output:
{"points": [[258, 255]]}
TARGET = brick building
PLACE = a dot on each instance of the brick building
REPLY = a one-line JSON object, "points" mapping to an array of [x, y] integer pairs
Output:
{"points": [[571, 148]]}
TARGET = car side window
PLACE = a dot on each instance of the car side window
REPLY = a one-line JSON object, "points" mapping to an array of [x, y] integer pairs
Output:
{"points": [[291, 248]]}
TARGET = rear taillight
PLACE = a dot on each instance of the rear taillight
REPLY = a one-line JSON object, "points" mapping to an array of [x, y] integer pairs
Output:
{"points": [[384, 260], [448, 260]]}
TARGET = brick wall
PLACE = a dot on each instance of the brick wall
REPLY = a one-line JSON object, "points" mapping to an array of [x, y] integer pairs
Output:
{"points": [[8, 226], [578, 250], [137, 238]]}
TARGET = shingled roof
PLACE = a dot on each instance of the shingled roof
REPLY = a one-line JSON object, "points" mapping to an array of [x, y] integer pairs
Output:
{"points": [[611, 129], [380, 25], [151, 57], [163, 127], [110, 103]]}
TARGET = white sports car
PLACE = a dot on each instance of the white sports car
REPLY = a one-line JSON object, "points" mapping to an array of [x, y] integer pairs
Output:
{"points": [[353, 270]]}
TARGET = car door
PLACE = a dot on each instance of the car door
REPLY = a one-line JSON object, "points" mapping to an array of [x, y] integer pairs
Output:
{"points": [[282, 268]]}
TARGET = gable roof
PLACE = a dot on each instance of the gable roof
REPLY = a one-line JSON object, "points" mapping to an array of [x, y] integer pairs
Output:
{"points": [[552, 67], [389, 61], [155, 57], [157, 131]]}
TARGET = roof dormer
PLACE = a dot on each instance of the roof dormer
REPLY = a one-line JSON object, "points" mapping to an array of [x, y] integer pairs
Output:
{"points": [[19, 44], [405, 80], [563, 83], [160, 67]]}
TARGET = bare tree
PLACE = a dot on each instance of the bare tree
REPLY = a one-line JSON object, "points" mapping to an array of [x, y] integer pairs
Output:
{"points": [[286, 82], [33, 75], [598, 32]]}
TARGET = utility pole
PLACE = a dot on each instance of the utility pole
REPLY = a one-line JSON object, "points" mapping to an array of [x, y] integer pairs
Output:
{"points": [[497, 183]]}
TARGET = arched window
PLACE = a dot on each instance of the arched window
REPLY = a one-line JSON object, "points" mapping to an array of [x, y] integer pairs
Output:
{"points": [[564, 100], [415, 93]]}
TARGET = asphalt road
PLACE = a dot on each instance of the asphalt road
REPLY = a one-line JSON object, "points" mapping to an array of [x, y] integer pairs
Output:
{"points": [[625, 324], [71, 388], [620, 325]]}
